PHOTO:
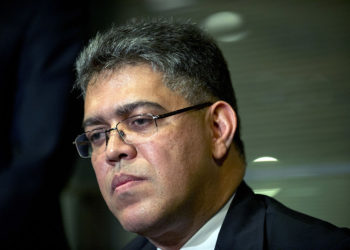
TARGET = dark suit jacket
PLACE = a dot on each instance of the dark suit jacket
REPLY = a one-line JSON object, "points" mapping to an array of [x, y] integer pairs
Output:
{"points": [[260, 222], [39, 42]]}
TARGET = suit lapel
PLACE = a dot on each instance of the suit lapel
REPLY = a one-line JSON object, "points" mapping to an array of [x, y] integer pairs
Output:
{"points": [[243, 227]]}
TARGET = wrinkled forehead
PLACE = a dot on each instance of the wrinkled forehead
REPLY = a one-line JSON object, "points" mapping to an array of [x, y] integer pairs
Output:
{"points": [[134, 78], [98, 78], [109, 72], [129, 84]]}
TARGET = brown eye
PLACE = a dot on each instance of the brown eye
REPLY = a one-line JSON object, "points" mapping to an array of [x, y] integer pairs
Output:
{"points": [[140, 123], [97, 137]]}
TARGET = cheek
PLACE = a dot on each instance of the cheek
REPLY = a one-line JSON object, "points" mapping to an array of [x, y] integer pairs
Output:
{"points": [[100, 170], [161, 152], [163, 159], [173, 160]]}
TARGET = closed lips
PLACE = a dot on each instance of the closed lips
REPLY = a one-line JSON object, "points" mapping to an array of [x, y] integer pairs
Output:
{"points": [[123, 179]]}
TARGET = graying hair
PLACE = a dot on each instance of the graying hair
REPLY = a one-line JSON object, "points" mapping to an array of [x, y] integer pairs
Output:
{"points": [[189, 59]]}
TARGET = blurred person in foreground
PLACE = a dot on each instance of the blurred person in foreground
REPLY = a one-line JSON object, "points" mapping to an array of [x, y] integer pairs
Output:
{"points": [[39, 43], [162, 129]]}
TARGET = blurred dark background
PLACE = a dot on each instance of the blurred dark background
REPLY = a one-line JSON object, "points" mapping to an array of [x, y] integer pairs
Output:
{"points": [[290, 65]]}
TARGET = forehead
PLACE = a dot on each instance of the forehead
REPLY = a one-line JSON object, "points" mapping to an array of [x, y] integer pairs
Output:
{"points": [[127, 85]]}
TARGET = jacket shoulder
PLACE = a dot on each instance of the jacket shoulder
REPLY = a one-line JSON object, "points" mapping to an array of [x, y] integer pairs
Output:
{"points": [[139, 243], [285, 226]]}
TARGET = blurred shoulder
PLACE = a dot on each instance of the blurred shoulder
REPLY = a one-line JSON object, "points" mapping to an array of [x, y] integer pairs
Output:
{"points": [[288, 227], [139, 243]]}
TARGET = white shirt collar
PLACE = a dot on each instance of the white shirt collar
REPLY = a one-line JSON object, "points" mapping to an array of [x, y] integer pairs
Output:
{"points": [[205, 238]]}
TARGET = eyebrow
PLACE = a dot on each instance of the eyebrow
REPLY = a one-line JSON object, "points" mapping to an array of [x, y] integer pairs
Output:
{"points": [[127, 109], [122, 111]]}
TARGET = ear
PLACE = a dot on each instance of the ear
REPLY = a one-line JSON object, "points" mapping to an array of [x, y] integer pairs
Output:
{"points": [[223, 124]]}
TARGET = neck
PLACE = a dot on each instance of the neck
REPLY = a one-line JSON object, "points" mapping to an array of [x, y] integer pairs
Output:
{"points": [[217, 192], [176, 231]]}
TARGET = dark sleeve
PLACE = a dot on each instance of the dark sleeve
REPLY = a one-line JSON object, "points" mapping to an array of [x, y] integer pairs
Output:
{"points": [[37, 159]]}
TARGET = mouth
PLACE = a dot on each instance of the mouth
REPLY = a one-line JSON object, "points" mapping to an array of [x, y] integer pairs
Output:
{"points": [[123, 179]]}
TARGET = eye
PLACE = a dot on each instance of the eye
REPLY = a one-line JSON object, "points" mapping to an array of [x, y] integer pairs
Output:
{"points": [[96, 137], [140, 123]]}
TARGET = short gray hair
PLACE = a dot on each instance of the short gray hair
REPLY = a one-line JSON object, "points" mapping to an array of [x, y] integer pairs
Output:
{"points": [[190, 60]]}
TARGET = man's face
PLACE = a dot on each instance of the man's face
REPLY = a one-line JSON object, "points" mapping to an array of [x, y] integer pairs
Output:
{"points": [[160, 182]]}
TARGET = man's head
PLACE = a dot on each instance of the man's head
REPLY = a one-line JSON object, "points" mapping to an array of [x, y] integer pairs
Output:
{"points": [[161, 177], [191, 62]]}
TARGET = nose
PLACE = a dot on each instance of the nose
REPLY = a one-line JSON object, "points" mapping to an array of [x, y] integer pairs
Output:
{"points": [[117, 149]]}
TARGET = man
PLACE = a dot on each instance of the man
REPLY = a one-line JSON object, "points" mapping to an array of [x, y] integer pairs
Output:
{"points": [[162, 130]]}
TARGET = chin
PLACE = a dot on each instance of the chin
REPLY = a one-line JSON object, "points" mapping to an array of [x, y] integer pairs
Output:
{"points": [[136, 220], [140, 226]]}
